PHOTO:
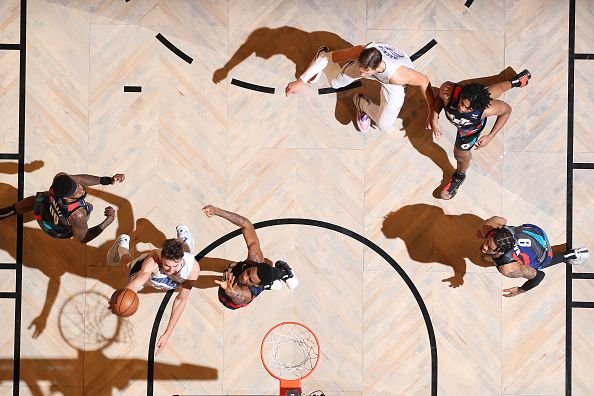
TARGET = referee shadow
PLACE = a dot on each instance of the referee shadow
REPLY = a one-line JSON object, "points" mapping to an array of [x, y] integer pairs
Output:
{"points": [[431, 236], [298, 47]]}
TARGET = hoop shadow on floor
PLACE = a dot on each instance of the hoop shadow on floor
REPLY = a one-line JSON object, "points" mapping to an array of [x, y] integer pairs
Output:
{"points": [[56, 257], [267, 42], [431, 236], [90, 333]]}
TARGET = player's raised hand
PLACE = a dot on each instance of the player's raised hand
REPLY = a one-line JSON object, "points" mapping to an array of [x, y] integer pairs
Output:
{"points": [[209, 210]]}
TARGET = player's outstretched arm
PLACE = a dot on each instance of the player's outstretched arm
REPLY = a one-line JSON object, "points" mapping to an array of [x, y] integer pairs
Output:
{"points": [[179, 304], [320, 63], [519, 270], [80, 228], [405, 76], [90, 180], [247, 228]]}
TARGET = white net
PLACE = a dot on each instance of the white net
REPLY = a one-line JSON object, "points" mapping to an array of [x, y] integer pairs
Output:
{"points": [[290, 351]]}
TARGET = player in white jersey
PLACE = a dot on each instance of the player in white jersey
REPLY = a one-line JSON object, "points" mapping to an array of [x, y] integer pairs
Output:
{"points": [[378, 61], [170, 267]]}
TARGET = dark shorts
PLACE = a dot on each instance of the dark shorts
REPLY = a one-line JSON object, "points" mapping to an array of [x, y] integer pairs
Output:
{"points": [[134, 268], [467, 138], [45, 221]]}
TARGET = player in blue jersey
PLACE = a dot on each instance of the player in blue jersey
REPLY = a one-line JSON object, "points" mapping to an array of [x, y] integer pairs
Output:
{"points": [[522, 252], [171, 267], [467, 107], [243, 281]]}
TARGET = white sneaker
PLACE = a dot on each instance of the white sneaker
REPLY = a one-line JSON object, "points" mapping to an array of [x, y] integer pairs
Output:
{"points": [[289, 276], [577, 256], [183, 233], [277, 285], [120, 247]]}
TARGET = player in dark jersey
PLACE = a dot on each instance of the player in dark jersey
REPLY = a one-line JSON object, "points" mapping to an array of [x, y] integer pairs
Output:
{"points": [[245, 280], [522, 252], [467, 107], [62, 212]]}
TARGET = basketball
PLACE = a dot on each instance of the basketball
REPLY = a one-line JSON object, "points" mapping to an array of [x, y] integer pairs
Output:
{"points": [[123, 302]]}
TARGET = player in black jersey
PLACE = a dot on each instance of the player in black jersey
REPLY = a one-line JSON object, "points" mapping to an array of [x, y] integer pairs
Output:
{"points": [[522, 252], [245, 280], [467, 107], [62, 212]]}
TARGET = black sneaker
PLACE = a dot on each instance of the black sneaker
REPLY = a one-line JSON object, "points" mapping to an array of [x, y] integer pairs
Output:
{"points": [[521, 79], [451, 189]]}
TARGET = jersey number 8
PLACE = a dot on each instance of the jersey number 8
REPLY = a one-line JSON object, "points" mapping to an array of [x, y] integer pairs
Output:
{"points": [[524, 242]]}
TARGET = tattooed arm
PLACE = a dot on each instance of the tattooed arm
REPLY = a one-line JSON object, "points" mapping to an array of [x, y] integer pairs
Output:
{"points": [[249, 232]]}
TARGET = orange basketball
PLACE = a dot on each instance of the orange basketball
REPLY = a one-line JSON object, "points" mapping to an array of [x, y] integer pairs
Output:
{"points": [[123, 302]]}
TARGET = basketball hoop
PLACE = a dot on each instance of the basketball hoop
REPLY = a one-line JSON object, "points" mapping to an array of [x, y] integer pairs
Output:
{"points": [[290, 352]]}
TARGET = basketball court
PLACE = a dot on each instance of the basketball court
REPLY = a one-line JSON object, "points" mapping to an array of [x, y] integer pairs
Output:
{"points": [[186, 97]]}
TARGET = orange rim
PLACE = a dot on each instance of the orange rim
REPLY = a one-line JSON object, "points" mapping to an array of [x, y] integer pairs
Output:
{"points": [[284, 380]]}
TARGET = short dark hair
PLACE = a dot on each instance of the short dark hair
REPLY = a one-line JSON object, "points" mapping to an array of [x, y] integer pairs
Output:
{"points": [[267, 273], [477, 94], [173, 249], [370, 57], [64, 186], [504, 239]]}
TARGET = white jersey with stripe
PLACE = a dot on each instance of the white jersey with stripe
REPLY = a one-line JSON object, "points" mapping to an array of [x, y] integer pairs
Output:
{"points": [[159, 280], [393, 58]]}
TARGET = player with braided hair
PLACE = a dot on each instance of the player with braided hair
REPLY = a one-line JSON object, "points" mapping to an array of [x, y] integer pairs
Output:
{"points": [[467, 107], [522, 252], [243, 281]]}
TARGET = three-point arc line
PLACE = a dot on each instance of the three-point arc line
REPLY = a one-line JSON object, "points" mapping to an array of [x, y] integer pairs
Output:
{"points": [[173, 48]]}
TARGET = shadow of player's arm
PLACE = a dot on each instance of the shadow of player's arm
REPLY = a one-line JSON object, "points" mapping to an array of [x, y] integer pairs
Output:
{"points": [[40, 321], [125, 214]]}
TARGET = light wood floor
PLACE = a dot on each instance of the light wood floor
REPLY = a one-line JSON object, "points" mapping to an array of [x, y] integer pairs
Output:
{"points": [[191, 138]]}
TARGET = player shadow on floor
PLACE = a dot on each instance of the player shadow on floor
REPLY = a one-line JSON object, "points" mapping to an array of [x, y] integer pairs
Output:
{"points": [[102, 331], [297, 46], [431, 236], [57, 257]]}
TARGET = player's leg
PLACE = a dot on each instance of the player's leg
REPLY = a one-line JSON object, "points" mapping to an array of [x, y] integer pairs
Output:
{"points": [[183, 234], [384, 115], [20, 207], [576, 256], [520, 80], [119, 252], [463, 157]]}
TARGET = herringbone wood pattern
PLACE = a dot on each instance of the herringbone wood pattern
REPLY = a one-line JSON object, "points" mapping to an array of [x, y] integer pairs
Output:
{"points": [[191, 138]]}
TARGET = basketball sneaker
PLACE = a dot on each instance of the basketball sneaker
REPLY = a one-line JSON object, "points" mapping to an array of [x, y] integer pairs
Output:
{"points": [[183, 233], [7, 212], [451, 189], [363, 120], [521, 79], [288, 276], [577, 256], [321, 51], [120, 247]]}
